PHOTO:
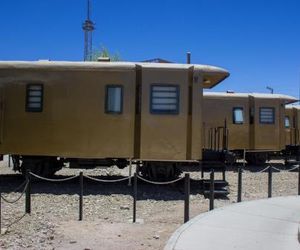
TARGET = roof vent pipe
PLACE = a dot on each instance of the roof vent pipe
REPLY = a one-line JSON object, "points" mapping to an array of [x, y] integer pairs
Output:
{"points": [[103, 59], [188, 57]]}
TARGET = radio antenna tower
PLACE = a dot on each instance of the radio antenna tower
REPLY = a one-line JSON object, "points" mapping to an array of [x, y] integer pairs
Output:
{"points": [[88, 28]]}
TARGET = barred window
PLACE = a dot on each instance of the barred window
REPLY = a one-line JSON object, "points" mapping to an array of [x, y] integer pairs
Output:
{"points": [[238, 116], [267, 115], [34, 98], [114, 99], [164, 99]]}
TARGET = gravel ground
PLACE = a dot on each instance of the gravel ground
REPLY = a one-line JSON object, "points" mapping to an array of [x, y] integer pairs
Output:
{"points": [[107, 219]]}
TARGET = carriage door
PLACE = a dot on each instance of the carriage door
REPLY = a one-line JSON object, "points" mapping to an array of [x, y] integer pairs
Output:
{"points": [[164, 114], [251, 122]]}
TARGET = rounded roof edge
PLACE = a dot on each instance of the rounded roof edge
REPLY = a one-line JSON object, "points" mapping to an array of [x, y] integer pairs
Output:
{"points": [[287, 98], [212, 75]]}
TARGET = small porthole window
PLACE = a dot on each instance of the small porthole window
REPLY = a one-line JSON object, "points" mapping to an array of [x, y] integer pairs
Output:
{"points": [[34, 98], [114, 99], [238, 115], [267, 115], [164, 99], [287, 122]]}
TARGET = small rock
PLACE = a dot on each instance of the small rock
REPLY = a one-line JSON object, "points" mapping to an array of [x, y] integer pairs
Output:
{"points": [[119, 235], [156, 237], [73, 241], [124, 207]]}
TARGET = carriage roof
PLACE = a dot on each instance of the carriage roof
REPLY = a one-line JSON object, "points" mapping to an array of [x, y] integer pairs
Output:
{"points": [[212, 75], [288, 99]]}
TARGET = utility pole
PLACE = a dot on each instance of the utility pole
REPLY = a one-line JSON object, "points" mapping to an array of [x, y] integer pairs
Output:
{"points": [[88, 27]]}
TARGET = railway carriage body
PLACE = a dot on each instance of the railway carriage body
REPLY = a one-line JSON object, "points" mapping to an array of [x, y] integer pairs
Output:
{"points": [[292, 131], [97, 113], [292, 124], [254, 122]]}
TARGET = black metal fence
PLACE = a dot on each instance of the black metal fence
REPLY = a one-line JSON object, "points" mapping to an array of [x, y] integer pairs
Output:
{"points": [[270, 170], [81, 176], [28, 183]]}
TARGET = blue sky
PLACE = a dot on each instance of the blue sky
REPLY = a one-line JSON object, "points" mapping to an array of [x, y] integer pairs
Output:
{"points": [[257, 41]]}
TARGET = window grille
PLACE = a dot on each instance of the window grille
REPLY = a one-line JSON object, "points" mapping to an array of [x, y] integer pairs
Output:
{"points": [[267, 115], [34, 98], [164, 99]]}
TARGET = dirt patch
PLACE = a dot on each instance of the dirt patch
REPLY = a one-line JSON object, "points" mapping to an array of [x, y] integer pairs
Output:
{"points": [[107, 219]]}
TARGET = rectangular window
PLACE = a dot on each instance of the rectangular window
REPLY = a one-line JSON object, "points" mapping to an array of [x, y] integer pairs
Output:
{"points": [[114, 99], [238, 116], [34, 98], [287, 122], [267, 115], [164, 99]]}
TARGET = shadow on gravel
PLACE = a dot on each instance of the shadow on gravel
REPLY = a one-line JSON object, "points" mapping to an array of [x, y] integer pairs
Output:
{"points": [[254, 169], [145, 190]]}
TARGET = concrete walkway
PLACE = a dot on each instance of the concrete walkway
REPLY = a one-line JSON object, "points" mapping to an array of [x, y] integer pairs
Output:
{"points": [[261, 224]]}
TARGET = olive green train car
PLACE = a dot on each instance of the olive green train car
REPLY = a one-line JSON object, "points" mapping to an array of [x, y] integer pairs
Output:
{"points": [[102, 113], [292, 125], [253, 122]]}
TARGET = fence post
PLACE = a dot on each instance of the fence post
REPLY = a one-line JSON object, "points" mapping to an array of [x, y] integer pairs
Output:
{"points": [[81, 195], [28, 193], [130, 172], [224, 173], [186, 197], [298, 179], [270, 182], [239, 198], [134, 197], [212, 190], [9, 161], [0, 214], [202, 171]]}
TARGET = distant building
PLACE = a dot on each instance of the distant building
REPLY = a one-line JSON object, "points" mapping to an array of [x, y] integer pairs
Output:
{"points": [[157, 60]]}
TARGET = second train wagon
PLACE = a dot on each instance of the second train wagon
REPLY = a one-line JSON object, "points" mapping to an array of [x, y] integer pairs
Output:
{"points": [[254, 122], [102, 113], [292, 124], [292, 131]]}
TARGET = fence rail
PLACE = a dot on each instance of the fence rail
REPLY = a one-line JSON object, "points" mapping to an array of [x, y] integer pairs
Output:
{"points": [[269, 170], [26, 185]]}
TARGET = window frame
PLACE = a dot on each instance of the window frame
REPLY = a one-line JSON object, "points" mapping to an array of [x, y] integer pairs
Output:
{"points": [[286, 117], [165, 112], [106, 98], [273, 117], [31, 109], [234, 118]]}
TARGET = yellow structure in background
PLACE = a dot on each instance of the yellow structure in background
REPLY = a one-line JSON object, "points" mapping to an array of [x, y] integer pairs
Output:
{"points": [[95, 110], [292, 124], [254, 121]]}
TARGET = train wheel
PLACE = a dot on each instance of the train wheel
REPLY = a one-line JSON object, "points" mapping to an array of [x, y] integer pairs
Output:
{"points": [[42, 166], [160, 171], [256, 158]]}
